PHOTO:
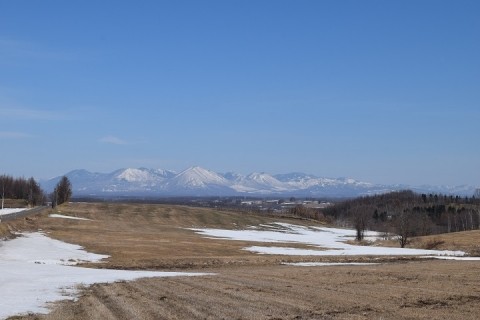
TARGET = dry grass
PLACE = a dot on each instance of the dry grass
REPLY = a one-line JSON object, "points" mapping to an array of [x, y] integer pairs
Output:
{"points": [[432, 243], [246, 286], [15, 203], [154, 236], [8, 229], [415, 290], [468, 241]]}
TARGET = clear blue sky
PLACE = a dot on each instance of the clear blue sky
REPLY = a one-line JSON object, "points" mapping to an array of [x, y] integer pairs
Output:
{"points": [[380, 91]]}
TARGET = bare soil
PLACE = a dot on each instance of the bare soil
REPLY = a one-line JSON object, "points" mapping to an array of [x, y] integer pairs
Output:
{"points": [[245, 285]]}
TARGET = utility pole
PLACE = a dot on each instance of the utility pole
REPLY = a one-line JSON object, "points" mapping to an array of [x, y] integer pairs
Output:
{"points": [[3, 193]]}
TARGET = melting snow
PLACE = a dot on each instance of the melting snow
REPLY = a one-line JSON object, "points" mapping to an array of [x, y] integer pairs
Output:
{"points": [[36, 270], [67, 217], [455, 258], [331, 240], [11, 210], [327, 264]]}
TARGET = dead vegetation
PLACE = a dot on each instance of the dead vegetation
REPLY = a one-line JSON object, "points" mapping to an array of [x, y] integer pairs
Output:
{"points": [[396, 291], [468, 241], [433, 243], [247, 286]]}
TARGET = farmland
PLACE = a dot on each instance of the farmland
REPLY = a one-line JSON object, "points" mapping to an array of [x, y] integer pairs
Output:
{"points": [[246, 285]]}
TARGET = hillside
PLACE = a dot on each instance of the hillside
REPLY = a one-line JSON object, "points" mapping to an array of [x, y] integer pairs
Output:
{"points": [[243, 284]]}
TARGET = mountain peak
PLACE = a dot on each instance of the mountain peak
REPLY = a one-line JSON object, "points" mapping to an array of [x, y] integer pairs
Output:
{"points": [[198, 181], [134, 175], [196, 169], [197, 177]]}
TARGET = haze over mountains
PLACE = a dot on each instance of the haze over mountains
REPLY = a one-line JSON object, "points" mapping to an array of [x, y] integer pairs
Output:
{"points": [[197, 181]]}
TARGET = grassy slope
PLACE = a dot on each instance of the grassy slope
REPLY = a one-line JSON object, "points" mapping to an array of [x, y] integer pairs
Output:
{"points": [[468, 241], [155, 236], [158, 236]]}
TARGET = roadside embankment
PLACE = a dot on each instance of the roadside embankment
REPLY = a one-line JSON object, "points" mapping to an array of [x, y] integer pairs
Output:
{"points": [[20, 221]]}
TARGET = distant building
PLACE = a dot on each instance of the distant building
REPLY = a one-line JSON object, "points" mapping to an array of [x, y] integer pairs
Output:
{"points": [[272, 201]]}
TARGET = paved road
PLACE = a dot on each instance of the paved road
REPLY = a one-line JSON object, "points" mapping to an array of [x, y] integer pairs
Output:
{"points": [[21, 214]]}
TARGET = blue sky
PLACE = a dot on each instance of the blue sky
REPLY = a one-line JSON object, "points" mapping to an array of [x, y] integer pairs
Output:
{"points": [[380, 91]]}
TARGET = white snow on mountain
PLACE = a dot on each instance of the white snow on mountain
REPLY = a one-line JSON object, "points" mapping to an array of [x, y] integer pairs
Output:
{"points": [[262, 183], [196, 178], [135, 175], [144, 175], [164, 173], [198, 181], [233, 176]]}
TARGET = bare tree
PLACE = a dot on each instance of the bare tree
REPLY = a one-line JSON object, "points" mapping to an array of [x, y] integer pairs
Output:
{"points": [[403, 226], [63, 191], [53, 198], [361, 218], [7, 186], [20, 188]]}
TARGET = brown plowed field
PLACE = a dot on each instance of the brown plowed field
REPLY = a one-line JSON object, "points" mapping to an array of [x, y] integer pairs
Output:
{"points": [[245, 286]]}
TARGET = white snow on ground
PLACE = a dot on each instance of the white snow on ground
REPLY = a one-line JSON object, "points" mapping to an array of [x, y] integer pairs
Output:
{"points": [[327, 264], [54, 215], [455, 258], [11, 210], [329, 241], [36, 270]]}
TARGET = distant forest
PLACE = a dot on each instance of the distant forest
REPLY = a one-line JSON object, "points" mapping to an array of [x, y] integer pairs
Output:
{"points": [[407, 214], [21, 189]]}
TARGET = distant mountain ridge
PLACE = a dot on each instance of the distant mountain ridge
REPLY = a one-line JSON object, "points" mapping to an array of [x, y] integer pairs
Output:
{"points": [[198, 181]]}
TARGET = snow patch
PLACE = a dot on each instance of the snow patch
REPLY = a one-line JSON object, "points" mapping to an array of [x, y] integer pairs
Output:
{"points": [[454, 258], [36, 270], [327, 264], [11, 210], [329, 241], [54, 215]]}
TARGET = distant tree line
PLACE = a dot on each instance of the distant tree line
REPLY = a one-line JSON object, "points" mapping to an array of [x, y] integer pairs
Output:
{"points": [[408, 214], [30, 191], [304, 212], [21, 189]]}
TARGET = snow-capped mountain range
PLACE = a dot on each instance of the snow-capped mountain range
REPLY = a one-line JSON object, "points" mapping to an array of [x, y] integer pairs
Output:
{"points": [[197, 181]]}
